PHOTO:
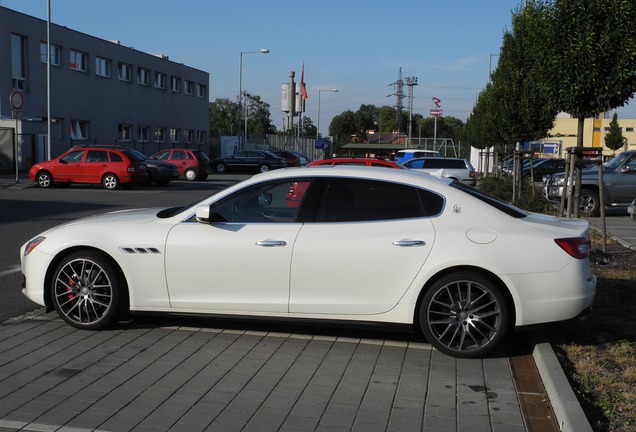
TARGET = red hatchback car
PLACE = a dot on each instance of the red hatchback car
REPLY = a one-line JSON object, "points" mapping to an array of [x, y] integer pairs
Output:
{"points": [[356, 161], [105, 165], [192, 164]]}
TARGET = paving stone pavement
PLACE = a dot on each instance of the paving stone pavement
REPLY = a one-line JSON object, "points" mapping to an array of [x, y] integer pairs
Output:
{"points": [[156, 378]]}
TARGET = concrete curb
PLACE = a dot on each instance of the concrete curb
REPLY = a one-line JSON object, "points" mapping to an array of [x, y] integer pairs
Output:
{"points": [[568, 410]]}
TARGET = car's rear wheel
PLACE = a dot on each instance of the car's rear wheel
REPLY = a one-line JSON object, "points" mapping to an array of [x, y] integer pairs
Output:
{"points": [[203, 177], [110, 181], [44, 179], [263, 168], [221, 168], [86, 290], [190, 175], [590, 203], [464, 314]]}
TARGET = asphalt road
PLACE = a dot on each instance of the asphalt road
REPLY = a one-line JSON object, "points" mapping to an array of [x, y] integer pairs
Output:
{"points": [[26, 211]]}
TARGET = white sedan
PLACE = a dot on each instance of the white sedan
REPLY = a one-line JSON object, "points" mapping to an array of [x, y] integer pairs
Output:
{"points": [[345, 243]]}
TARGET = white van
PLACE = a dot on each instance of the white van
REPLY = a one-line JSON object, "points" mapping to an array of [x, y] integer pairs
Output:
{"points": [[402, 156]]}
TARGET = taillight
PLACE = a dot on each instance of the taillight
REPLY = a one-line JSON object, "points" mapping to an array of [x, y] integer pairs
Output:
{"points": [[471, 174], [292, 190], [577, 247]]}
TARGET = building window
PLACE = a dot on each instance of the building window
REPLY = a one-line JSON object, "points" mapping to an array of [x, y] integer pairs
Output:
{"points": [[629, 129], [143, 133], [79, 130], [78, 61], [124, 72], [175, 84], [160, 80], [188, 134], [160, 135], [188, 87], [143, 76], [18, 61], [174, 135], [56, 54], [200, 137], [102, 67], [123, 132], [201, 90]]}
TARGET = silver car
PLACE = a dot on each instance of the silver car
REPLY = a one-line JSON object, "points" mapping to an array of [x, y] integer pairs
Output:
{"points": [[453, 168]]}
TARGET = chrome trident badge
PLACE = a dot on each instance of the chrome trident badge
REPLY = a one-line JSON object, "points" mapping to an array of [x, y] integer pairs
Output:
{"points": [[457, 208]]}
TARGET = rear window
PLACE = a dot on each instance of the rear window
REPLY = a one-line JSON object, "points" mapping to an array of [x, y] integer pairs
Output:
{"points": [[509, 209], [134, 156], [201, 155]]}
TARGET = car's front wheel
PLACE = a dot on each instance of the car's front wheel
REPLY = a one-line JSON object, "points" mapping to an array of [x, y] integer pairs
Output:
{"points": [[263, 168], [44, 179], [86, 290], [464, 314], [110, 181]]}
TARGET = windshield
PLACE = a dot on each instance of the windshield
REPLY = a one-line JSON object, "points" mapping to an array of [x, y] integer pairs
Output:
{"points": [[138, 155], [616, 161]]}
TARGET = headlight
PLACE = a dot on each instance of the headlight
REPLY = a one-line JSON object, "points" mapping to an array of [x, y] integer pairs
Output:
{"points": [[32, 244], [557, 181]]}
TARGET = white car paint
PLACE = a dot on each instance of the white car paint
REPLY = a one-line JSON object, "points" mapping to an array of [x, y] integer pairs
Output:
{"points": [[368, 271]]}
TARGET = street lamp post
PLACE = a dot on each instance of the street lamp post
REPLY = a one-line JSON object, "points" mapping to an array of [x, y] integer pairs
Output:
{"points": [[240, 101]]}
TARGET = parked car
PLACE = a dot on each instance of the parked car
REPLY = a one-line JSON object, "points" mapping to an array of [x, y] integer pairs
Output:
{"points": [[365, 244], [302, 159], [402, 156], [356, 161], [619, 181], [159, 172], [192, 164], [632, 210], [290, 158], [453, 168], [249, 160], [543, 167], [105, 165]]}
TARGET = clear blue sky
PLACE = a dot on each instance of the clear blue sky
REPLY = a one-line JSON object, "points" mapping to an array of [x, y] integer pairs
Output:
{"points": [[356, 46]]}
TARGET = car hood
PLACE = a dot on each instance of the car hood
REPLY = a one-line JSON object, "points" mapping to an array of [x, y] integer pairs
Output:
{"points": [[140, 216]]}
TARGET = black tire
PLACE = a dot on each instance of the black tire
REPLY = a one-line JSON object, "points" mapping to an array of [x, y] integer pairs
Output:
{"points": [[86, 290], [263, 168], [220, 168], [44, 179], [203, 177], [590, 203], [110, 181], [464, 314]]}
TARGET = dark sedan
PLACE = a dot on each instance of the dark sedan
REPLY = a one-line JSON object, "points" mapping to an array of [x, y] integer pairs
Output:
{"points": [[249, 160], [159, 172]]}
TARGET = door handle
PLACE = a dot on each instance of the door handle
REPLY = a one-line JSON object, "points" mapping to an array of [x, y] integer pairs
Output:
{"points": [[409, 243], [271, 243]]}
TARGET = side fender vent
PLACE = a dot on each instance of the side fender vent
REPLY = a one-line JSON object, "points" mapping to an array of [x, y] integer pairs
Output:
{"points": [[140, 250]]}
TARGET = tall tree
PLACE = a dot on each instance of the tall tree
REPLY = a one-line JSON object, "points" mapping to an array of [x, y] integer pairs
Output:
{"points": [[223, 119], [523, 111], [590, 58], [614, 138], [259, 121]]}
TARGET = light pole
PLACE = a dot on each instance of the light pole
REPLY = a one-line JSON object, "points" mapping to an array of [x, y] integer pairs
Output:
{"points": [[319, 92], [240, 104]]}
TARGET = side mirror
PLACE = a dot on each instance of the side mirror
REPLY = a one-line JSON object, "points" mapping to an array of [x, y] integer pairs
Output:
{"points": [[203, 215], [628, 169]]}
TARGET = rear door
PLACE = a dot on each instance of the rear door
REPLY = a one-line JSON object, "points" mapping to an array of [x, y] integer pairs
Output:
{"points": [[368, 242], [95, 165]]}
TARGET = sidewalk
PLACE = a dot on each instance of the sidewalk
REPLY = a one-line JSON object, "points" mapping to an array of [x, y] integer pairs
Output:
{"points": [[8, 181], [147, 377]]}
